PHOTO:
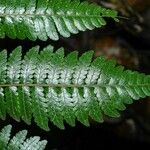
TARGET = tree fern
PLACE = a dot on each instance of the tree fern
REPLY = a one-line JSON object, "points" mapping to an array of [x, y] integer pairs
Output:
{"points": [[19, 141], [48, 85], [46, 18]]}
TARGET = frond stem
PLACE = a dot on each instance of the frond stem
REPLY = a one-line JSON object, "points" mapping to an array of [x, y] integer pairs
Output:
{"points": [[71, 85]]}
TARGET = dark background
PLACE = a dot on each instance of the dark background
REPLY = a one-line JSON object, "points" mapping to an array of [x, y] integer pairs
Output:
{"points": [[129, 43]]}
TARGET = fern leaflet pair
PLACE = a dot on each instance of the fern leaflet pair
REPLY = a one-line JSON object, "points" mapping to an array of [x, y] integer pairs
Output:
{"points": [[43, 19], [19, 141], [50, 86]]}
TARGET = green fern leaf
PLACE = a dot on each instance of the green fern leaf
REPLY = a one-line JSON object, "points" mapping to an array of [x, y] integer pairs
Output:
{"points": [[44, 19], [19, 141], [3, 63], [49, 86]]}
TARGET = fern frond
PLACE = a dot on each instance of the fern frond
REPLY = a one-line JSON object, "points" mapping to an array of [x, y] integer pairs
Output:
{"points": [[19, 141], [48, 85], [44, 19]]}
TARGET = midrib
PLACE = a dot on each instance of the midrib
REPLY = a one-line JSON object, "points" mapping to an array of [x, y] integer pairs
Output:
{"points": [[34, 14], [73, 85]]}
